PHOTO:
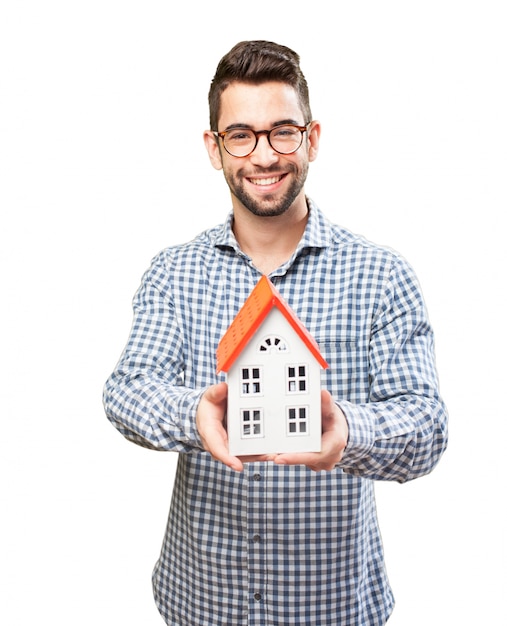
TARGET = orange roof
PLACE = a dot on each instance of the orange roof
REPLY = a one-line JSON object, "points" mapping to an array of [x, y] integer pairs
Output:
{"points": [[251, 315]]}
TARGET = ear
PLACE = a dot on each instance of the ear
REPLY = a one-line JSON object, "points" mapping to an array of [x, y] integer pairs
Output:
{"points": [[313, 140], [213, 148]]}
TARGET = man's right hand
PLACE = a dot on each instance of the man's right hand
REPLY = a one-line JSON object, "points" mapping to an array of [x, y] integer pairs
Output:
{"points": [[210, 421]]}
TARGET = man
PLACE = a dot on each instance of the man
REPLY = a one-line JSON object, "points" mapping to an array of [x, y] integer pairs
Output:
{"points": [[289, 539]]}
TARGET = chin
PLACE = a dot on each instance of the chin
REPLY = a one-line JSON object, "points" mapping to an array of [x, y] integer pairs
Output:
{"points": [[268, 211], [269, 207]]}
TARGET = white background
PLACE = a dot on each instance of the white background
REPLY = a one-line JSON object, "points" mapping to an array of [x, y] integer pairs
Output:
{"points": [[102, 164]]}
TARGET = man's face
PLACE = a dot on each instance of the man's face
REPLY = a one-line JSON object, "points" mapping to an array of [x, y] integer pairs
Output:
{"points": [[265, 182]]}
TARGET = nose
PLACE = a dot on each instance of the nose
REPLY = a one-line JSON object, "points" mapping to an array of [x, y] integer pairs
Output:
{"points": [[263, 155]]}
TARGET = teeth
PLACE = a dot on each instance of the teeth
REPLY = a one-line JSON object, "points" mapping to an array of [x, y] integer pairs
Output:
{"points": [[265, 181]]}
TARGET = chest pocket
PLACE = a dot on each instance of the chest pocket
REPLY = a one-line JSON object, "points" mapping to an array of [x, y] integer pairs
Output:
{"points": [[347, 375]]}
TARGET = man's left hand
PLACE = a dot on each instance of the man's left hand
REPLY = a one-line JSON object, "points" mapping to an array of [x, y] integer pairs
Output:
{"points": [[335, 433]]}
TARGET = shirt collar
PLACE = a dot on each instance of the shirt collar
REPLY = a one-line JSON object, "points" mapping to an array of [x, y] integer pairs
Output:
{"points": [[317, 232]]}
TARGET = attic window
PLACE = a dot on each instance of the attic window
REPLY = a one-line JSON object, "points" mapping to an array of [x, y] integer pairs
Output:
{"points": [[273, 343]]}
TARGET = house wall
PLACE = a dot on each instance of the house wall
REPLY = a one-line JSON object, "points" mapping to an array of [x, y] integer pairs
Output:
{"points": [[274, 398]]}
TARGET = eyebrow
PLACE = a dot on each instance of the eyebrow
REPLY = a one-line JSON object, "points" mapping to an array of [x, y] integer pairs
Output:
{"points": [[274, 125]]}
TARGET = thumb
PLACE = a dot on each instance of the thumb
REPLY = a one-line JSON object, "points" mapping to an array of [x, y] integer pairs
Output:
{"points": [[327, 402], [217, 393]]}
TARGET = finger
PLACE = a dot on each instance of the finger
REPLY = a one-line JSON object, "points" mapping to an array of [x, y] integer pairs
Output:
{"points": [[234, 463], [256, 458], [306, 458], [327, 403], [217, 447], [220, 453], [217, 393]]}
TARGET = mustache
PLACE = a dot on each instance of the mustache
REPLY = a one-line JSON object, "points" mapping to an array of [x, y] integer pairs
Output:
{"points": [[265, 171]]}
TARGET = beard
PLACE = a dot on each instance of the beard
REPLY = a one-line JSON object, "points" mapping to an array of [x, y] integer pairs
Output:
{"points": [[271, 205]]}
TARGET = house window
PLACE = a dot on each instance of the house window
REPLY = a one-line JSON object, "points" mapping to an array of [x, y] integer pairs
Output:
{"points": [[273, 343], [297, 378], [251, 382], [252, 423], [297, 421]]}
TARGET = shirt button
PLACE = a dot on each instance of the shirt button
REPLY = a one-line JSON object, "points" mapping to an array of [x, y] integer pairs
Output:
{"points": [[256, 477], [258, 597], [256, 538]]}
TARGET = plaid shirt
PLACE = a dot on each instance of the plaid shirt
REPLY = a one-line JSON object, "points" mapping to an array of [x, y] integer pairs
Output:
{"points": [[280, 545]]}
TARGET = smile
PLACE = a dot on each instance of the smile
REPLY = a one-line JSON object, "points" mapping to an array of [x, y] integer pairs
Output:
{"points": [[265, 181]]}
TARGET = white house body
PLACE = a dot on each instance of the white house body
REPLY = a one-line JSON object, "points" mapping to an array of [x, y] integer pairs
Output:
{"points": [[274, 393]]}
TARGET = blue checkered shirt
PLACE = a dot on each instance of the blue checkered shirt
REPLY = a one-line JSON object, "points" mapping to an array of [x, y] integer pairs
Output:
{"points": [[281, 545]]}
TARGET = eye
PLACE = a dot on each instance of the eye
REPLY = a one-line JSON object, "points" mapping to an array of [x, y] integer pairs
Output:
{"points": [[285, 132], [238, 135]]}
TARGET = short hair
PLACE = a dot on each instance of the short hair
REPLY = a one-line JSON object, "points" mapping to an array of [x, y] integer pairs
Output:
{"points": [[258, 62]]}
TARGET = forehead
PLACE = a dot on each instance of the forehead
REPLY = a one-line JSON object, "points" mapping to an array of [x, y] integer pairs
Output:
{"points": [[259, 106]]}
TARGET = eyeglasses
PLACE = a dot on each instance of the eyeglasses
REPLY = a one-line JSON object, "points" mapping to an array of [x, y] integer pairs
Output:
{"points": [[284, 139]]}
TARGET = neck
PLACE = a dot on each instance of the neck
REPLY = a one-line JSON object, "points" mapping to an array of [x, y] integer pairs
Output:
{"points": [[270, 241]]}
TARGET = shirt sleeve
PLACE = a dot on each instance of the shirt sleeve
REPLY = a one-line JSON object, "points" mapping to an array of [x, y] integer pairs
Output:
{"points": [[145, 397], [401, 433]]}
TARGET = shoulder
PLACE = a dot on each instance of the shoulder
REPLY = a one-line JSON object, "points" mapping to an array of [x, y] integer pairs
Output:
{"points": [[340, 239], [182, 265], [359, 247], [357, 257], [190, 252]]}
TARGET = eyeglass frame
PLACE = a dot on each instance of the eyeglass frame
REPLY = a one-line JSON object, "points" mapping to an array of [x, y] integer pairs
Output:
{"points": [[223, 133]]}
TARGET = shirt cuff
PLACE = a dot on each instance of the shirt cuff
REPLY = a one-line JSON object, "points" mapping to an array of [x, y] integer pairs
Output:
{"points": [[361, 433]]}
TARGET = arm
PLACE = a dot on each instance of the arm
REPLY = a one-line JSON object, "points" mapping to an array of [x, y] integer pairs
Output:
{"points": [[401, 432], [145, 397]]}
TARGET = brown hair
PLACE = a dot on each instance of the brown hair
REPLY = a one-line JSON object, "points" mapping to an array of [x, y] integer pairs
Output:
{"points": [[257, 62]]}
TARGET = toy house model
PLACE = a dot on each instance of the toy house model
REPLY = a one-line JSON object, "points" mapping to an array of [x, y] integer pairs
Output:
{"points": [[273, 368]]}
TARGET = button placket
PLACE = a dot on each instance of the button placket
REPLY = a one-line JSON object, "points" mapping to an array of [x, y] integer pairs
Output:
{"points": [[256, 548]]}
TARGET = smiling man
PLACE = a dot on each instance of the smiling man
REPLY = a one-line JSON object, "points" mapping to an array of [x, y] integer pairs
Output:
{"points": [[268, 183], [287, 539], [264, 182]]}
